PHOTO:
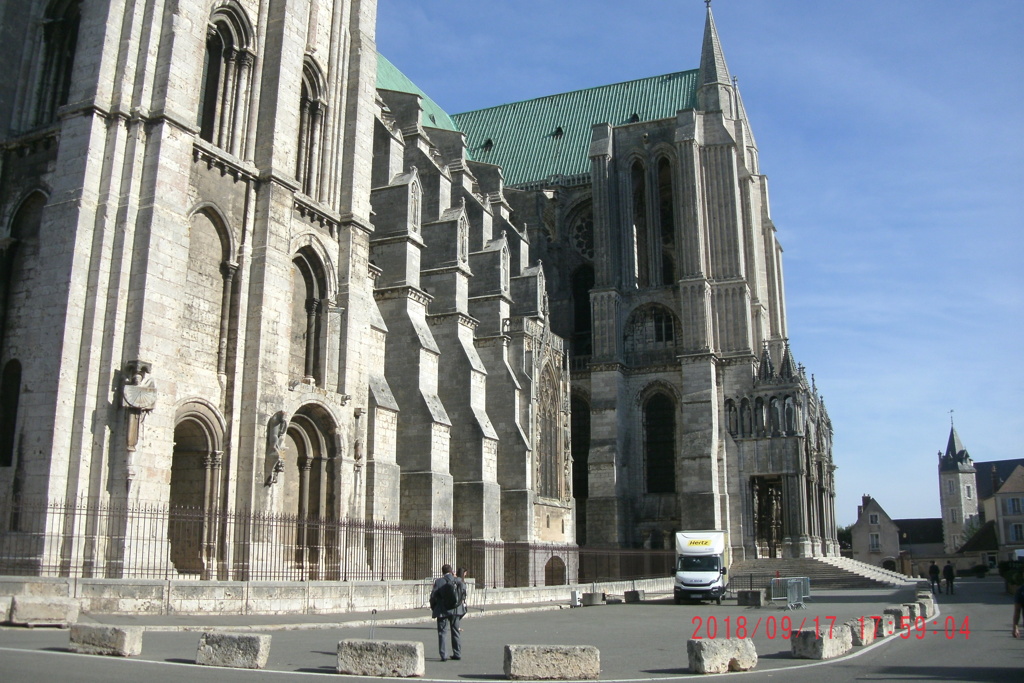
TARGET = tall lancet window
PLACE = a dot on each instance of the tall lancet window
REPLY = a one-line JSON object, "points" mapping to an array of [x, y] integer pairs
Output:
{"points": [[312, 115], [660, 444], [666, 223], [641, 247], [548, 453], [60, 38], [309, 306], [227, 76]]}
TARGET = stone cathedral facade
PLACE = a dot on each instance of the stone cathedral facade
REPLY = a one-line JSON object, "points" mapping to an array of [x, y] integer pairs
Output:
{"points": [[248, 268]]}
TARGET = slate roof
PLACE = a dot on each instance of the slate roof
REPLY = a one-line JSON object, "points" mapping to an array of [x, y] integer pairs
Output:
{"points": [[550, 136], [390, 78], [927, 530], [983, 478], [983, 539]]}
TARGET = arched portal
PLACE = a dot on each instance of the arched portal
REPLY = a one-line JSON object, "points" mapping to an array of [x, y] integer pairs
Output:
{"points": [[554, 572], [193, 529]]}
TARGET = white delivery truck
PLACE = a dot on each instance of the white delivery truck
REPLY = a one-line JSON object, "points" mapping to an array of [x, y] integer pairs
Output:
{"points": [[701, 562]]}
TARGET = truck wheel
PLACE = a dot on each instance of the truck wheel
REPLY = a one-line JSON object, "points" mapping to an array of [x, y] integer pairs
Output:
{"points": [[678, 599]]}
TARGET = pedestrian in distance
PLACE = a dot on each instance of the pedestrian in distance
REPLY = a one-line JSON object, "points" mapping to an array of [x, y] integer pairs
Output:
{"points": [[462, 608], [949, 574], [1018, 607], [933, 577], [444, 602]]}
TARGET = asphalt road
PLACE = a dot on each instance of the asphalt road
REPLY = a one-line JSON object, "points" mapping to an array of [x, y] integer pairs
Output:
{"points": [[638, 642]]}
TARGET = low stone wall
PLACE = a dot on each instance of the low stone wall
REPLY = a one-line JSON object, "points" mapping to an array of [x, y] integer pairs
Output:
{"points": [[142, 596]]}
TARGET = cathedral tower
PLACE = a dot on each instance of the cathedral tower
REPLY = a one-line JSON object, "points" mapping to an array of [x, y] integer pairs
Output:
{"points": [[958, 498]]}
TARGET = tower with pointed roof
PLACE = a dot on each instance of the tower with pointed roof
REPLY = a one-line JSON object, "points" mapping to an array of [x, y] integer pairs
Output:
{"points": [[665, 273], [958, 496]]}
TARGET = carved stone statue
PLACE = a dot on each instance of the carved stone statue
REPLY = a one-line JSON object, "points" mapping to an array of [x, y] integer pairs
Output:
{"points": [[138, 397], [277, 430]]}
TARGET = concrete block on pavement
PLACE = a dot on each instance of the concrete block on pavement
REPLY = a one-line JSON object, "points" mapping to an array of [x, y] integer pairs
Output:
{"points": [[862, 630], [717, 656], [116, 641], [634, 596], [552, 662], [401, 658], [750, 598], [591, 599], [49, 611], [234, 650], [885, 625], [824, 643]]}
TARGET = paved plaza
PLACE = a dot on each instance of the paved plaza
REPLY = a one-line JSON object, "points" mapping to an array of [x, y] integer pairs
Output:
{"points": [[637, 642]]}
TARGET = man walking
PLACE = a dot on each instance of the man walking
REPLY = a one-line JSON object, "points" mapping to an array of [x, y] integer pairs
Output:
{"points": [[949, 574], [933, 577], [444, 604]]}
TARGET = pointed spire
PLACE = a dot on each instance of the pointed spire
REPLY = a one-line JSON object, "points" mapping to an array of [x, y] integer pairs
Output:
{"points": [[766, 370], [712, 60], [954, 447], [786, 370]]}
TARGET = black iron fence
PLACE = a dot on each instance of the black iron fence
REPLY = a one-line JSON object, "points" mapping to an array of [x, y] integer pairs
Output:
{"points": [[612, 564], [135, 540]]}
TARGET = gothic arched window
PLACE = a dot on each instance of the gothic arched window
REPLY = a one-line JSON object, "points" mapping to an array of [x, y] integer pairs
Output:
{"points": [[650, 335], [660, 444], [60, 38], [309, 293], [312, 114], [638, 184], [548, 452], [227, 73], [582, 322], [667, 223]]}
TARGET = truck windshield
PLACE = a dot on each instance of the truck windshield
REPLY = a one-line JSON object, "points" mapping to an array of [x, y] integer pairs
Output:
{"points": [[701, 563]]}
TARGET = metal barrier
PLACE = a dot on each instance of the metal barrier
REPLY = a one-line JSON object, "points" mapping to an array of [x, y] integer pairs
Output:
{"points": [[786, 588]]}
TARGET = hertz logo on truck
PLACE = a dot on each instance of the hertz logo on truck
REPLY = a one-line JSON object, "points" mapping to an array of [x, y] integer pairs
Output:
{"points": [[704, 542]]}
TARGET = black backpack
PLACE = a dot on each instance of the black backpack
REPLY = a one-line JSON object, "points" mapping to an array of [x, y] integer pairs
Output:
{"points": [[447, 596]]}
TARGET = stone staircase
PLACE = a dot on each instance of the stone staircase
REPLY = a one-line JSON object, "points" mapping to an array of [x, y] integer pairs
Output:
{"points": [[826, 573]]}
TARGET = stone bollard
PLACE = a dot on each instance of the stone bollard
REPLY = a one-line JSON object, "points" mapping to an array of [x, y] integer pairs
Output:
{"points": [[825, 643], [913, 611], [399, 658], [5, 608], [32, 611], [635, 596], [900, 615], [750, 598], [885, 625], [591, 599], [234, 650], [718, 656], [926, 608], [552, 662], [115, 641], [862, 630]]}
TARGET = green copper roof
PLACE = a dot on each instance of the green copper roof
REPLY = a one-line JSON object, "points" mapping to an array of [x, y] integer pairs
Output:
{"points": [[536, 139], [390, 78]]}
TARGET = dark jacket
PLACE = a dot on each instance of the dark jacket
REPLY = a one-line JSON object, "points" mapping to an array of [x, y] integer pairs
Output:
{"points": [[947, 572], [437, 610]]}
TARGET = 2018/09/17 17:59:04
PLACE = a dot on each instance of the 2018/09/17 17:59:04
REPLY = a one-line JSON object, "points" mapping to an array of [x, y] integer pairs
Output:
{"points": [[742, 627]]}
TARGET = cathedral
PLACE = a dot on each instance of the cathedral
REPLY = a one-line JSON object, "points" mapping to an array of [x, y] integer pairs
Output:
{"points": [[250, 271]]}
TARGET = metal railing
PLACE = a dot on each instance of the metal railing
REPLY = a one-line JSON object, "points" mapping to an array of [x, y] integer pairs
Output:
{"points": [[610, 564], [86, 538]]}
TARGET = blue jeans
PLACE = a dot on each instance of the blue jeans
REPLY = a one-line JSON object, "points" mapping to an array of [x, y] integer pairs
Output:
{"points": [[443, 624]]}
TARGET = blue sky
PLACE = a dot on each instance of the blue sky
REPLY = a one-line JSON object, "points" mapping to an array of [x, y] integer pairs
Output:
{"points": [[892, 136]]}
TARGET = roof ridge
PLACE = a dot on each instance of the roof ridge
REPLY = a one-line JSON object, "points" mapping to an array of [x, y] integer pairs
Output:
{"points": [[578, 90]]}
